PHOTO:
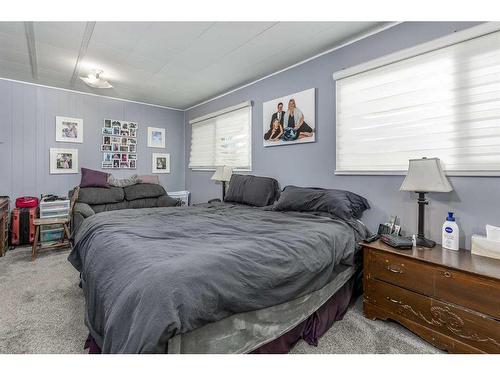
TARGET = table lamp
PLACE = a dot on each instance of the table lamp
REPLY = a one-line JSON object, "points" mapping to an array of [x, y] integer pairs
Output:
{"points": [[425, 176], [223, 174]]}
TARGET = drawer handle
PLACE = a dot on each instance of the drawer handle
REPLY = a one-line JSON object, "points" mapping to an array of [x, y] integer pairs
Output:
{"points": [[394, 270], [447, 274], [394, 301]]}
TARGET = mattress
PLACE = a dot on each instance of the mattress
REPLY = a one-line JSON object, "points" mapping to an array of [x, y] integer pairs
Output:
{"points": [[149, 275], [244, 332]]}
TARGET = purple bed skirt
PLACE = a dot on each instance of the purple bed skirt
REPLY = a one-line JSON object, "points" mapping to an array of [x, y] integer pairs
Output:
{"points": [[310, 330]]}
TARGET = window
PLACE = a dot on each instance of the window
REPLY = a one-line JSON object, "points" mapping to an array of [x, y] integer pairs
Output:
{"points": [[443, 103], [222, 138]]}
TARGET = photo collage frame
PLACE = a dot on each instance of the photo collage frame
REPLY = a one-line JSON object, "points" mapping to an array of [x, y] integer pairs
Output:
{"points": [[119, 144]]}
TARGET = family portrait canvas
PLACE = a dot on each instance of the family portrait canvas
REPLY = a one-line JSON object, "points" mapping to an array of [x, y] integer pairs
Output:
{"points": [[69, 129], [290, 119], [63, 160]]}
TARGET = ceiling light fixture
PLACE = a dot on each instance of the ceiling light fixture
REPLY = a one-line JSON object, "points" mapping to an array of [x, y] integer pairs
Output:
{"points": [[94, 80]]}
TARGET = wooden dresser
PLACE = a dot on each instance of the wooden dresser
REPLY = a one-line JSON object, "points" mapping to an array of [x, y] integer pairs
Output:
{"points": [[449, 298], [4, 225]]}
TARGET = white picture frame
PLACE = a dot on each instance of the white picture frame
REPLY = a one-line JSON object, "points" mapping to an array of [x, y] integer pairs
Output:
{"points": [[63, 160], [161, 163], [276, 134], [156, 137], [69, 129]]}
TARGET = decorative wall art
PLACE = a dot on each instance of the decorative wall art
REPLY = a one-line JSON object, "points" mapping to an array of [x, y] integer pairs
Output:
{"points": [[161, 163], [63, 160], [119, 144], [69, 129], [290, 119], [156, 137]]}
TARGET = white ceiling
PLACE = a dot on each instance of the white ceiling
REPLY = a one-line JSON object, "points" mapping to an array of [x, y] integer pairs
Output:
{"points": [[174, 64]]}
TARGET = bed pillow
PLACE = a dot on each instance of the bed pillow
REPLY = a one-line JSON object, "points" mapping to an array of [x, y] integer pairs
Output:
{"points": [[91, 178], [252, 190], [122, 182], [140, 191], [339, 203]]}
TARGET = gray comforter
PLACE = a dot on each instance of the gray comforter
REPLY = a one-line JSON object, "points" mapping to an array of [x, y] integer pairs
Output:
{"points": [[149, 274]]}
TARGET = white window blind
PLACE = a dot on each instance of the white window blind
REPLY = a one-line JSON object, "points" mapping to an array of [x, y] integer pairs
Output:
{"points": [[222, 138], [444, 103]]}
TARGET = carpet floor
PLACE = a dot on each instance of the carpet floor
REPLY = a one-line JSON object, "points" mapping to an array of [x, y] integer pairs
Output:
{"points": [[42, 307]]}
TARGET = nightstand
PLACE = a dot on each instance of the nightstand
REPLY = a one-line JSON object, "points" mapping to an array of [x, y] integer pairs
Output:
{"points": [[449, 298]]}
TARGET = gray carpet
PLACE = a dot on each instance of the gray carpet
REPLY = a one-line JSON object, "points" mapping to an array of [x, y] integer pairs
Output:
{"points": [[41, 311]]}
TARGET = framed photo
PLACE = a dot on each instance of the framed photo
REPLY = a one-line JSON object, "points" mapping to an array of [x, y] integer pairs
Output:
{"points": [[161, 163], [156, 137], [107, 156], [69, 129], [290, 119], [63, 160]]}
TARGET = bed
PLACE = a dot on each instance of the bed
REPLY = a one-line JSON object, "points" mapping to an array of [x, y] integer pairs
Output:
{"points": [[217, 278]]}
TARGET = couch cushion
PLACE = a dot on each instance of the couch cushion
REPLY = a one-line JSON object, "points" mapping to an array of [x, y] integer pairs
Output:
{"points": [[95, 195], [252, 190], [140, 191]]}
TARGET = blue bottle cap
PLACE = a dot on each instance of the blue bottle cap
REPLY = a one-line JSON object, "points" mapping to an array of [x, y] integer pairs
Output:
{"points": [[450, 217]]}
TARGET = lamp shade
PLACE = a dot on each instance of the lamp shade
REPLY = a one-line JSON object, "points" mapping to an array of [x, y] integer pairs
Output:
{"points": [[426, 175], [222, 173]]}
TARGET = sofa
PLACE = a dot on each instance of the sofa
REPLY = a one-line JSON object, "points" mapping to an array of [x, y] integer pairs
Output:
{"points": [[93, 200]]}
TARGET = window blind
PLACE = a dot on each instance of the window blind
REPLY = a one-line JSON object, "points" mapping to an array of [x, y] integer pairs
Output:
{"points": [[444, 103], [222, 139]]}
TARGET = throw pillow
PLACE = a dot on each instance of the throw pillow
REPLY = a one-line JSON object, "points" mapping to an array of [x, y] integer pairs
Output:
{"points": [[91, 178], [122, 182], [149, 179]]}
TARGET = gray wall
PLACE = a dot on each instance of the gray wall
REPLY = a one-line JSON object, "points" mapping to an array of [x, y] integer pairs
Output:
{"points": [[475, 201], [27, 130]]}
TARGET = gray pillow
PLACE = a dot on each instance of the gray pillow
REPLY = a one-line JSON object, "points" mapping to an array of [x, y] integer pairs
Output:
{"points": [[252, 190], [140, 191], [122, 182], [338, 203]]}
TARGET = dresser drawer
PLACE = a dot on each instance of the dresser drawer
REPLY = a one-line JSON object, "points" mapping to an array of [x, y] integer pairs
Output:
{"points": [[475, 292], [473, 329], [400, 271]]}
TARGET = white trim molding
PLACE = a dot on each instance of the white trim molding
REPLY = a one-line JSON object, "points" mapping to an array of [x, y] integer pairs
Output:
{"points": [[221, 112], [89, 93], [445, 41], [376, 30]]}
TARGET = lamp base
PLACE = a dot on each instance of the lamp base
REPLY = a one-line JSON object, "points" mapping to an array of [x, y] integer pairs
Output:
{"points": [[424, 242]]}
